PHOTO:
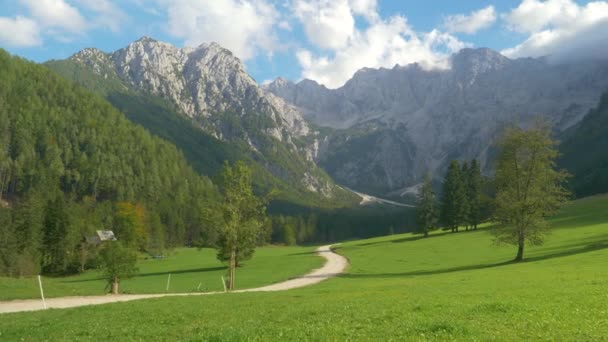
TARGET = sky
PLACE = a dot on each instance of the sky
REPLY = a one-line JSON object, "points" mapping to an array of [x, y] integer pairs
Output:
{"points": [[323, 40]]}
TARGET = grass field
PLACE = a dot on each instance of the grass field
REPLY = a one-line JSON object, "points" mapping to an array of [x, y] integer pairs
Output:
{"points": [[188, 267], [447, 287]]}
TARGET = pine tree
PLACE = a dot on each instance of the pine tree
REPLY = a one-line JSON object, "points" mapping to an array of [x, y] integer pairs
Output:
{"points": [[474, 189], [464, 207], [426, 210], [453, 199], [55, 236]]}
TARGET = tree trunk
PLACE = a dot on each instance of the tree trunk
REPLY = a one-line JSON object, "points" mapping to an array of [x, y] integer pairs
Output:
{"points": [[232, 268], [83, 256], [115, 286], [520, 248], [426, 233]]}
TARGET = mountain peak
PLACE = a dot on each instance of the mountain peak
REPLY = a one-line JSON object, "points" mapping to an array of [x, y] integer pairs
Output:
{"points": [[88, 54], [278, 83], [478, 60], [146, 39]]}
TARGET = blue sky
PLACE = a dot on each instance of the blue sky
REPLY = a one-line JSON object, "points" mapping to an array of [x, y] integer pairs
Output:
{"points": [[325, 40]]}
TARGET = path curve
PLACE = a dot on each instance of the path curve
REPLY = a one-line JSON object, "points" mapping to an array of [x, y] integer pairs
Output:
{"points": [[334, 265]]}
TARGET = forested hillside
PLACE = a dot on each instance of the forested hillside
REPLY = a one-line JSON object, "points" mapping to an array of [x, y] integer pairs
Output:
{"points": [[585, 152], [278, 160], [70, 164]]}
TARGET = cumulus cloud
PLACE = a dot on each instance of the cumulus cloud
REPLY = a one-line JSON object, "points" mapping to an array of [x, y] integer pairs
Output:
{"points": [[329, 24], [107, 14], [19, 32], [477, 20], [382, 43], [560, 28], [245, 27], [56, 14]]}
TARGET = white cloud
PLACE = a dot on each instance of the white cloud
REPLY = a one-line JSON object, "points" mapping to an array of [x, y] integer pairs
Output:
{"points": [[329, 24], [383, 43], [19, 32], [366, 8], [243, 26], [560, 28], [472, 23], [57, 15], [107, 14]]}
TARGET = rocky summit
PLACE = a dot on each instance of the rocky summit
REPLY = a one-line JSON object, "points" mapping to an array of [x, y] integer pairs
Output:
{"points": [[384, 128], [209, 85]]}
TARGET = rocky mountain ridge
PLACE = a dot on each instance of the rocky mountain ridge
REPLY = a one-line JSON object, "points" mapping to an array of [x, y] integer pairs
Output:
{"points": [[210, 85], [387, 127]]}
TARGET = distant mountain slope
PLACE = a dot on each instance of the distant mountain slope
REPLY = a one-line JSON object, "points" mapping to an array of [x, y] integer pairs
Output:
{"points": [[202, 100], [386, 127], [584, 151]]}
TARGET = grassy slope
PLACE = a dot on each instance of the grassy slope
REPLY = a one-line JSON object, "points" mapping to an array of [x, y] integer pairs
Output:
{"points": [[188, 268], [450, 286]]}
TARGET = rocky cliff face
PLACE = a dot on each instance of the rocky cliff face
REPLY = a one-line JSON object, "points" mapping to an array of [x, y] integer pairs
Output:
{"points": [[210, 85], [392, 125]]}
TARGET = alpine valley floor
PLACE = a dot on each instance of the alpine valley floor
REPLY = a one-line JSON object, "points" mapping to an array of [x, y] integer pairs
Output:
{"points": [[401, 287]]}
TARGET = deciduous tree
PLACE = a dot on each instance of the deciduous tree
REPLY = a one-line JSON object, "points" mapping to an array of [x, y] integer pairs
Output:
{"points": [[529, 187], [117, 262], [241, 216]]}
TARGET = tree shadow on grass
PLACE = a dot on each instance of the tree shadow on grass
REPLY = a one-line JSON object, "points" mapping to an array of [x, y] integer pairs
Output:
{"points": [[194, 270], [417, 237], [302, 253], [583, 249]]}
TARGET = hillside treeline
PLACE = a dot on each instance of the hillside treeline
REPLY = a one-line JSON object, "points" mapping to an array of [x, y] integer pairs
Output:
{"points": [[71, 164]]}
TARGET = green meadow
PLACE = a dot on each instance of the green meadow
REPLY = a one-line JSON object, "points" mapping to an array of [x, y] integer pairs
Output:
{"points": [[191, 270], [401, 287]]}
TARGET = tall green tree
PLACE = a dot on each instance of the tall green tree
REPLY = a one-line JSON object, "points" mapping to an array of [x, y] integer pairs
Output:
{"points": [[465, 206], [56, 229], [241, 217], [474, 194], [529, 187], [426, 208], [117, 262], [453, 200]]}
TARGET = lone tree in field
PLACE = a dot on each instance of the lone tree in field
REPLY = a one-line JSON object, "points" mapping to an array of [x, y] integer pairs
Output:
{"points": [[453, 201], [426, 208], [529, 188], [241, 217], [117, 262]]}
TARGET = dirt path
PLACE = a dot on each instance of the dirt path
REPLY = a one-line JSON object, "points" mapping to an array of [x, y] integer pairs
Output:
{"points": [[334, 265]]}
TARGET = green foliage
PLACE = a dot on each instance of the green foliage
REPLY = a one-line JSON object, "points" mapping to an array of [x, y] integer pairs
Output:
{"points": [[426, 207], [314, 225], [56, 237], [59, 139], [117, 262], [583, 152], [239, 217], [474, 195], [401, 288], [454, 206], [529, 188]]}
